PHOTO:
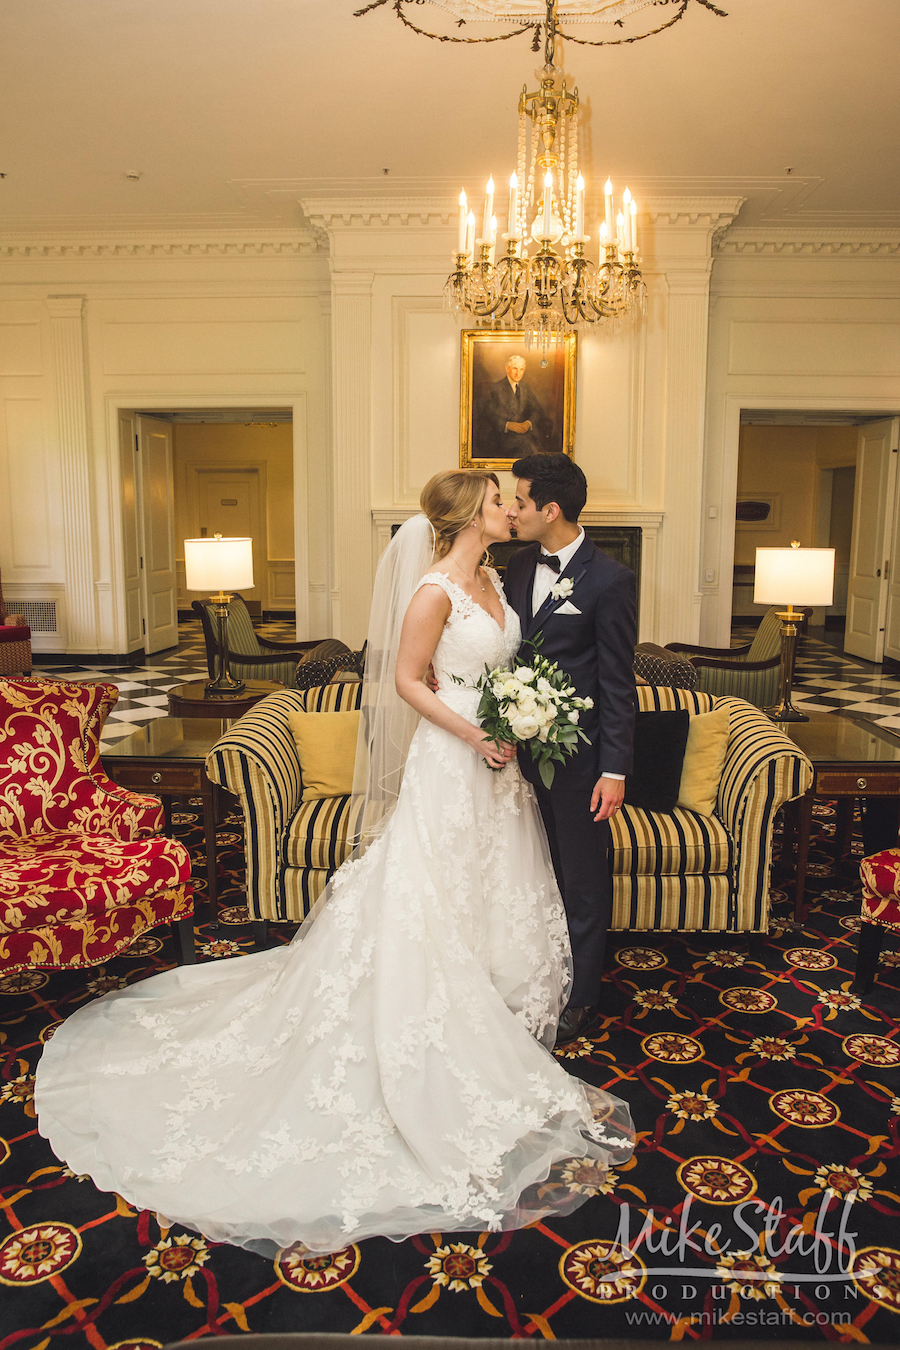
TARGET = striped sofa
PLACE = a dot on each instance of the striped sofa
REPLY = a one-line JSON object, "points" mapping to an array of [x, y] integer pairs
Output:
{"points": [[679, 872]]}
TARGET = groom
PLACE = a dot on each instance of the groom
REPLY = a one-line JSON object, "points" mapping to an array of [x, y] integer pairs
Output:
{"points": [[587, 626]]}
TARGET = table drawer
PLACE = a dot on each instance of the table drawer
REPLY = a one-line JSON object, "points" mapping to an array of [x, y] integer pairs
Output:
{"points": [[864, 784], [156, 777]]}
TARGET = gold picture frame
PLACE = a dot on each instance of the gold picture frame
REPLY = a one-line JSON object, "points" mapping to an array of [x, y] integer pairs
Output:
{"points": [[545, 396]]}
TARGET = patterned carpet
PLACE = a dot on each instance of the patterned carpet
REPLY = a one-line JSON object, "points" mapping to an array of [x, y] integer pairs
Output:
{"points": [[755, 1077]]}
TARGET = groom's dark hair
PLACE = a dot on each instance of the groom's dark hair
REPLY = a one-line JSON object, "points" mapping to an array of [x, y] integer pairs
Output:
{"points": [[554, 478]]}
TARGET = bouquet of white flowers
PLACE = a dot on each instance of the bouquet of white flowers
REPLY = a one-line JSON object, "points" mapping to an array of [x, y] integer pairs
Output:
{"points": [[534, 704]]}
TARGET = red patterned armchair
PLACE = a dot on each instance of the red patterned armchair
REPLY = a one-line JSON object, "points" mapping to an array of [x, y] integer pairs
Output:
{"points": [[880, 913], [83, 868]]}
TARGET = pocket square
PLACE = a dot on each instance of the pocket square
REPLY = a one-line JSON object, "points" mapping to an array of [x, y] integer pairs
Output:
{"points": [[567, 608]]}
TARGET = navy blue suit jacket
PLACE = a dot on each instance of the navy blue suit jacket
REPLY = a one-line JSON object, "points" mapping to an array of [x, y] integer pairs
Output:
{"points": [[596, 650]]}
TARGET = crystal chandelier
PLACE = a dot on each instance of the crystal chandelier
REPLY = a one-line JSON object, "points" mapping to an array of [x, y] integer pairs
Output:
{"points": [[546, 282]]}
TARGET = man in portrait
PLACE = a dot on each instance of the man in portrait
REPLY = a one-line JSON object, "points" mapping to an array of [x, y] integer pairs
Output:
{"points": [[518, 424]]}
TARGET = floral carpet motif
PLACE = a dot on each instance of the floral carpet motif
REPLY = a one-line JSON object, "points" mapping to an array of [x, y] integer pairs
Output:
{"points": [[763, 1192]]}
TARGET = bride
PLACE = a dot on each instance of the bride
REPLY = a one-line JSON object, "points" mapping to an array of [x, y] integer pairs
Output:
{"points": [[389, 1071]]}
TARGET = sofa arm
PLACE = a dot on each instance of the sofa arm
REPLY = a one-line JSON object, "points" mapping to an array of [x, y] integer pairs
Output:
{"points": [[257, 760], [763, 770], [717, 653]]}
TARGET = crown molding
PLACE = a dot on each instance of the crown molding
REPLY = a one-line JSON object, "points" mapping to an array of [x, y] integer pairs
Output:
{"points": [[706, 212], [793, 242], [102, 242], [337, 212]]}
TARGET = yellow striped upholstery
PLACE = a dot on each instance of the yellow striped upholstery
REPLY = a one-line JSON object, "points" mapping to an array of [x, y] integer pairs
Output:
{"points": [[680, 871], [658, 844], [319, 834]]}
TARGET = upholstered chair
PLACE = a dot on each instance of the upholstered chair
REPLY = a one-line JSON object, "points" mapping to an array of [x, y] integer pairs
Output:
{"points": [[84, 869], [250, 656], [751, 672], [677, 871], [880, 913]]}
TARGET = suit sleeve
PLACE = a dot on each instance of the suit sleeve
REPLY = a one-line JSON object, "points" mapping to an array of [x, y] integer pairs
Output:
{"points": [[615, 628]]}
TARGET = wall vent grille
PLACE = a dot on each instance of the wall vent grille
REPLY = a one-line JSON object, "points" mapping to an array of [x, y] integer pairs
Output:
{"points": [[40, 615]]}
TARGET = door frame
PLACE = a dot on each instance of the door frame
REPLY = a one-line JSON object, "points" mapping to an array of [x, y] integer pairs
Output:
{"points": [[146, 401], [718, 609]]}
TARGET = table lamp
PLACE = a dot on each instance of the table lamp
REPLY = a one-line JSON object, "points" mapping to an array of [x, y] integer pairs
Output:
{"points": [[217, 564], [792, 576]]}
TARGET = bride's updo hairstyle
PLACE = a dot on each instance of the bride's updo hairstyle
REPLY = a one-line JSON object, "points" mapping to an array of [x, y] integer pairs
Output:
{"points": [[451, 500]]}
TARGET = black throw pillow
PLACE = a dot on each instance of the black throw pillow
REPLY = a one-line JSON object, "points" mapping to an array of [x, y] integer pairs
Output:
{"points": [[659, 743]]}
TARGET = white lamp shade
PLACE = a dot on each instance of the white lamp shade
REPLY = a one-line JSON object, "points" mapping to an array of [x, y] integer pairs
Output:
{"points": [[218, 564], [794, 576]]}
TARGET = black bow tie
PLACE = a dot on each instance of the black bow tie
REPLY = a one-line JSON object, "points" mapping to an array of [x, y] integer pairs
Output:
{"points": [[549, 560]]}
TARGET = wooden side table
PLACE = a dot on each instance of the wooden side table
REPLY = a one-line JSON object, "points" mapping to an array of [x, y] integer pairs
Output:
{"points": [[192, 700], [850, 759], [167, 759]]}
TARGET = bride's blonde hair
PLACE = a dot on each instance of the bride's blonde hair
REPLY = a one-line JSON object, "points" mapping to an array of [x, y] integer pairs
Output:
{"points": [[451, 500]]}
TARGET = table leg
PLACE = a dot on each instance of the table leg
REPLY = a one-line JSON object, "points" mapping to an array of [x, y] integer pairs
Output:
{"points": [[843, 831], [804, 827], [167, 815], [212, 871]]}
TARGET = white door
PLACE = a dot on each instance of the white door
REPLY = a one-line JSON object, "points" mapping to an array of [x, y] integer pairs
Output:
{"points": [[230, 502], [892, 617], [157, 520], [131, 531], [873, 517]]}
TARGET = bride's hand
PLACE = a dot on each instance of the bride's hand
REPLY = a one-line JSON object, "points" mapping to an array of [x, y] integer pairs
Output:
{"points": [[496, 754]]}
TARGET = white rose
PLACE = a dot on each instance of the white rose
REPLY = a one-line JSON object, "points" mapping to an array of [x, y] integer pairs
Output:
{"points": [[524, 727], [527, 706], [588, 702], [574, 716], [543, 734], [544, 686], [524, 674]]}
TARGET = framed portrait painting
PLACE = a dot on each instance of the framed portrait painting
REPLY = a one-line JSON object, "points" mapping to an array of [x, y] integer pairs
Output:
{"points": [[510, 404]]}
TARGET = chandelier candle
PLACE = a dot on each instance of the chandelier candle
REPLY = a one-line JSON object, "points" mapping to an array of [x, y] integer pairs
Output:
{"points": [[488, 212], [461, 237], [513, 232]]}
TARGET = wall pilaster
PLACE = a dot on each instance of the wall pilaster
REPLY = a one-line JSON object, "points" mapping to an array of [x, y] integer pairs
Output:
{"points": [[682, 236], [351, 383], [66, 319]]}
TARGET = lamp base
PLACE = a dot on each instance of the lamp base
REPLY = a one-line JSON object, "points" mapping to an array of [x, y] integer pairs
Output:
{"points": [[224, 688], [224, 685], [785, 713]]}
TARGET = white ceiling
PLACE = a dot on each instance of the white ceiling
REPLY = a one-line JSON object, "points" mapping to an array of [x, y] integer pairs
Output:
{"points": [[228, 108]]}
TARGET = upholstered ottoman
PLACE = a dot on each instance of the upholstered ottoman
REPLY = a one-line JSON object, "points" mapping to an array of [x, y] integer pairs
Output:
{"points": [[880, 874], [15, 649]]}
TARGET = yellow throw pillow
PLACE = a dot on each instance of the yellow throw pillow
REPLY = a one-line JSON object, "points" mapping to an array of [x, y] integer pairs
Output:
{"points": [[704, 759], [327, 745]]}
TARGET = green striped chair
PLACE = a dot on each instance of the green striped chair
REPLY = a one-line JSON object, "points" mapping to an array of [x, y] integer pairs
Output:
{"points": [[751, 672], [680, 872], [251, 657]]}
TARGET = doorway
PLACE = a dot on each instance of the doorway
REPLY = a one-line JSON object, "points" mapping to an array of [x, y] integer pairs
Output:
{"points": [[192, 472], [796, 480]]}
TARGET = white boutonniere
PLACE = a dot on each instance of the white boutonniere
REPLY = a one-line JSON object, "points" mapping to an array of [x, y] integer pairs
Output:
{"points": [[562, 589]]}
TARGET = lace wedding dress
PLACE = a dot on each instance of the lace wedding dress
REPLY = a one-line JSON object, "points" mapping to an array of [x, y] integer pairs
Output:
{"points": [[383, 1074]]}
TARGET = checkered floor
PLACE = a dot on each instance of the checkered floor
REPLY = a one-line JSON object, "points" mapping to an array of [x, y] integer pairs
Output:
{"points": [[143, 690], [826, 680]]}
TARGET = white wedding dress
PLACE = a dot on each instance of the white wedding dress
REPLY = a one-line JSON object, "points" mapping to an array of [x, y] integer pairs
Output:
{"points": [[383, 1074]]}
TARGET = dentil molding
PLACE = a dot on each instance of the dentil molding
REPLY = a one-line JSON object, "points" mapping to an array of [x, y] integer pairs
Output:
{"points": [[162, 244], [810, 242]]}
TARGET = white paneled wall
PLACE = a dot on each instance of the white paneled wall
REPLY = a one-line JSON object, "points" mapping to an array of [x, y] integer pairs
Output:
{"points": [[345, 324], [799, 321], [93, 329]]}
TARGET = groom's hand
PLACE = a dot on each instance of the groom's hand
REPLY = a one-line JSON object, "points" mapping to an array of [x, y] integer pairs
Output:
{"points": [[608, 795]]}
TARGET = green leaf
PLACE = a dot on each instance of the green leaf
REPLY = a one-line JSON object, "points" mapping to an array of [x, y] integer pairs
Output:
{"points": [[547, 772]]}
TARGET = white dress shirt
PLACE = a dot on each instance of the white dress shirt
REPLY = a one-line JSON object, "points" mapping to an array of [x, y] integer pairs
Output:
{"points": [[544, 579]]}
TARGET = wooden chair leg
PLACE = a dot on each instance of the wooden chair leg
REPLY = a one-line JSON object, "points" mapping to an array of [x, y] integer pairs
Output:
{"points": [[260, 934], [186, 941], [870, 937]]}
